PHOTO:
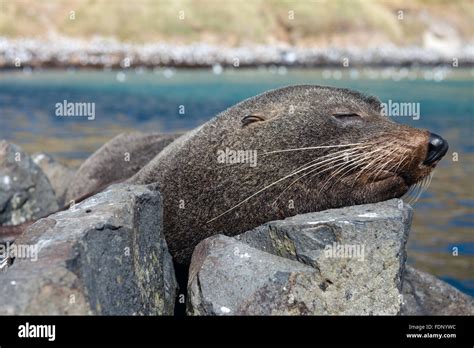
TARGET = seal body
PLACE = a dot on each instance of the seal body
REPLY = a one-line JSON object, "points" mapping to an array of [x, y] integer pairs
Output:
{"points": [[116, 160], [285, 152]]}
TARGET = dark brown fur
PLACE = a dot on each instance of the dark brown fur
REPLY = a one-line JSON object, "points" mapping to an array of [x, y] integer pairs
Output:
{"points": [[117, 160]]}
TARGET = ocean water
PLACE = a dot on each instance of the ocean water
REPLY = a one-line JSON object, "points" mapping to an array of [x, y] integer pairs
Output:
{"points": [[442, 239]]}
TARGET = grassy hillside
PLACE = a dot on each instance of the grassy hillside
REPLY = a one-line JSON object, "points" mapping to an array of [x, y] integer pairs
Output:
{"points": [[237, 21]]}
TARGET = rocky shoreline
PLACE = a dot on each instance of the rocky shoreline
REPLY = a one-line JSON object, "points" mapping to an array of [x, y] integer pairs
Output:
{"points": [[107, 256], [102, 53]]}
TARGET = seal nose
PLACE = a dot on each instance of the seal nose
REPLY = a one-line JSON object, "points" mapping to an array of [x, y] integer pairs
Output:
{"points": [[437, 148]]}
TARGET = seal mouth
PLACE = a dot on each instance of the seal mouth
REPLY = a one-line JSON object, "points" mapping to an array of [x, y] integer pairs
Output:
{"points": [[389, 184], [408, 187], [386, 174]]}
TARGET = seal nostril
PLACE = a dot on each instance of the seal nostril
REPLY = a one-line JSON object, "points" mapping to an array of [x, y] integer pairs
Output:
{"points": [[437, 148]]}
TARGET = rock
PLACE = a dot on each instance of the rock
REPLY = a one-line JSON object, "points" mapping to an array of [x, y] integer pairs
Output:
{"points": [[58, 174], [292, 266], [116, 160], [106, 255], [228, 277], [424, 294], [25, 192]]}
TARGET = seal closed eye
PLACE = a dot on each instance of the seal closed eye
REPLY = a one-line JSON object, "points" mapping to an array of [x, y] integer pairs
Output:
{"points": [[347, 116], [315, 147], [248, 119]]}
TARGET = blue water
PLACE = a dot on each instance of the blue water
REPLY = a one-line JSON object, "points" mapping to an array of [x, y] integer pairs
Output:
{"points": [[151, 101]]}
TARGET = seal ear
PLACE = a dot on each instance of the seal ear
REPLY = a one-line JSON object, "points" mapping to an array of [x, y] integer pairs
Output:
{"points": [[250, 118]]}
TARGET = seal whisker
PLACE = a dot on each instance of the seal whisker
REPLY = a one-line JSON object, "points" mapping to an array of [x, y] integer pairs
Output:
{"points": [[321, 157], [407, 196], [374, 160], [383, 155], [346, 163], [310, 148], [382, 166], [355, 161], [423, 187], [394, 167], [404, 156], [334, 160], [344, 166], [367, 157], [415, 193], [261, 190], [377, 168], [336, 154], [351, 166]]}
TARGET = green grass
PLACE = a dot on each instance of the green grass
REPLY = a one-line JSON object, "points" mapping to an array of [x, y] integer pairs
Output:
{"points": [[235, 21]]}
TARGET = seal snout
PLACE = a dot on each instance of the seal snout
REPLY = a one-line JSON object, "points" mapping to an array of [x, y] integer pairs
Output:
{"points": [[437, 148]]}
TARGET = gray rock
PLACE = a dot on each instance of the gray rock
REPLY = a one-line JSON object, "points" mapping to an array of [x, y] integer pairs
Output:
{"points": [[366, 280], [424, 294], [25, 192], [116, 160], [228, 277], [106, 255], [59, 175]]}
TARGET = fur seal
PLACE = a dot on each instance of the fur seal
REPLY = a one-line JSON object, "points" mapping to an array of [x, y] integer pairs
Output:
{"points": [[117, 160], [288, 151]]}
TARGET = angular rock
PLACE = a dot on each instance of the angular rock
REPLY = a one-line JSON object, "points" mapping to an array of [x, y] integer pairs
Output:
{"points": [[116, 160], [228, 277], [424, 294], [25, 192], [258, 278], [106, 255], [58, 174]]}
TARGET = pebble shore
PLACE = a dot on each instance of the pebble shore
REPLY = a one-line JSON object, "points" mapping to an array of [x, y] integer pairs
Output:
{"points": [[105, 53]]}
